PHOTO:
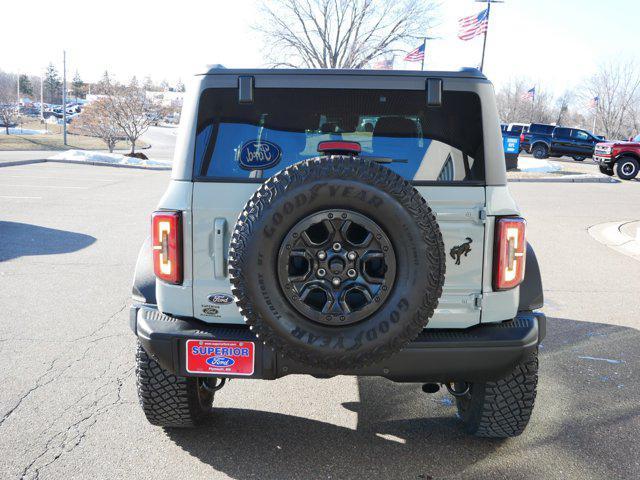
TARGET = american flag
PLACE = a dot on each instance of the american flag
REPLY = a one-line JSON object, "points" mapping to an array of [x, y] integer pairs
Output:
{"points": [[529, 94], [416, 55], [593, 103], [384, 64], [471, 27]]}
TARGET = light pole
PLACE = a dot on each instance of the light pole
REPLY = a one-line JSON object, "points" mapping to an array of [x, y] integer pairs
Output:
{"points": [[64, 97]]}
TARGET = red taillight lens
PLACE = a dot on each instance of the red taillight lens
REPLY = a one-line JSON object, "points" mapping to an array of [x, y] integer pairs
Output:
{"points": [[166, 239], [522, 137], [510, 254]]}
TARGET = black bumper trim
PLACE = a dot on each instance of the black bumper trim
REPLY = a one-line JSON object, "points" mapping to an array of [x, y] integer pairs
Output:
{"points": [[480, 353]]}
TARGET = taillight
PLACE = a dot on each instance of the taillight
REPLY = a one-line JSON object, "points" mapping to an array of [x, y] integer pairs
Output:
{"points": [[167, 245], [521, 137], [510, 253]]}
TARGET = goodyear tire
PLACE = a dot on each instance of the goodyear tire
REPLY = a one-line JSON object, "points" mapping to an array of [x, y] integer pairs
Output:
{"points": [[168, 400], [337, 262], [501, 409]]}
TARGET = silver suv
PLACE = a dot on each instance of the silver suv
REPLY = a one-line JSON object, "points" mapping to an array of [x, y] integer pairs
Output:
{"points": [[329, 222]]}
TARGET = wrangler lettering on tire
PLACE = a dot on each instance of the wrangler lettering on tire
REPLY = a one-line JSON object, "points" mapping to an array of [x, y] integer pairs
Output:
{"points": [[337, 262]]}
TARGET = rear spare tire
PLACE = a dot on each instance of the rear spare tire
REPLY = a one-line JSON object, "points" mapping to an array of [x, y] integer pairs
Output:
{"points": [[337, 262]]}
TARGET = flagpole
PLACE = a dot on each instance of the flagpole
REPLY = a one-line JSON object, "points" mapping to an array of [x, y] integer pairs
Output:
{"points": [[424, 53], [484, 41], [533, 101]]}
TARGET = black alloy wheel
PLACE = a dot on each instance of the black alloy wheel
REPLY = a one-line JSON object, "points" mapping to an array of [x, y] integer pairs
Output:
{"points": [[336, 267]]}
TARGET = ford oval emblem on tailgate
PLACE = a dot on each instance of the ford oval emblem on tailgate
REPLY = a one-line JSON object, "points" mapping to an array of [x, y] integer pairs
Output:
{"points": [[220, 299], [260, 155]]}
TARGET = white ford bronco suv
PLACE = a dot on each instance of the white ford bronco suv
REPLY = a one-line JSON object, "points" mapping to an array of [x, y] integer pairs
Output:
{"points": [[337, 222]]}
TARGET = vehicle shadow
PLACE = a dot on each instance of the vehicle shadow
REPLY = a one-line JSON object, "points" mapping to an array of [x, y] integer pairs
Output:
{"points": [[24, 239], [586, 421]]}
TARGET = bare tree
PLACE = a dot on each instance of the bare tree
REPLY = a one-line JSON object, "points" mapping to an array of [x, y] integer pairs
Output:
{"points": [[96, 120], [616, 85], [131, 110], [8, 107], [341, 33], [514, 107]]}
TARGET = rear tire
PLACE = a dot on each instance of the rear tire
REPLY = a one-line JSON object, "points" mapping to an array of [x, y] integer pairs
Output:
{"points": [[501, 409], [168, 400], [540, 151], [627, 168]]}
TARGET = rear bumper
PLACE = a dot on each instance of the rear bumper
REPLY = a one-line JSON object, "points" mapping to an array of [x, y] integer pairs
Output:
{"points": [[481, 353]]}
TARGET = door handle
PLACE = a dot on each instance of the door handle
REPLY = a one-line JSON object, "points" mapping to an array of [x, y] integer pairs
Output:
{"points": [[219, 262]]}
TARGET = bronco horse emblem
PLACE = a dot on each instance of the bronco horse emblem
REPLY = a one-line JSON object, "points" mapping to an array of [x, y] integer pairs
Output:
{"points": [[459, 250]]}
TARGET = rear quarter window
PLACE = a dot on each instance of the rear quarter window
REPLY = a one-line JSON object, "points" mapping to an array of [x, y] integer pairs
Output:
{"points": [[250, 142]]}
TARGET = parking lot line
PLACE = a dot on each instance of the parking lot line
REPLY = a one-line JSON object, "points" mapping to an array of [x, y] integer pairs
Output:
{"points": [[13, 196], [42, 186], [59, 177]]}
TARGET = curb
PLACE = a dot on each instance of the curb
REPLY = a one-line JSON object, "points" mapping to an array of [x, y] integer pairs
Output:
{"points": [[20, 162], [610, 234], [569, 179], [106, 164]]}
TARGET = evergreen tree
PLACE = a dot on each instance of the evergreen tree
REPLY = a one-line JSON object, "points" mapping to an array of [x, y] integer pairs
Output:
{"points": [[105, 84], [148, 84], [26, 88], [77, 86], [52, 84]]}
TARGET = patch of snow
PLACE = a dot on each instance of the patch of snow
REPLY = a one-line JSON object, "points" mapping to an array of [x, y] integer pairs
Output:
{"points": [[21, 131], [527, 164], [108, 158]]}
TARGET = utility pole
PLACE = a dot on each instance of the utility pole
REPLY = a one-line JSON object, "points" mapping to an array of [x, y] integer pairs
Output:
{"points": [[18, 91], [42, 97], [484, 41], [64, 96]]}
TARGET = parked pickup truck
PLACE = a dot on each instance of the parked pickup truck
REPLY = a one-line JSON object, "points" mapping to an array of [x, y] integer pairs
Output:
{"points": [[624, 156], [572, 142], [537, 131]]}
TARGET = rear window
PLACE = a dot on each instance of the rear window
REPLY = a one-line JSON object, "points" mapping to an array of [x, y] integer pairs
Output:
{"points": [[250, 142], [562, 132], [541, 129]]}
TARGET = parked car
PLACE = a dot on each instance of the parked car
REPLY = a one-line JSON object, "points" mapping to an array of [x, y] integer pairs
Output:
{"points": [[624, 157], [279, 249], [572, 142]]}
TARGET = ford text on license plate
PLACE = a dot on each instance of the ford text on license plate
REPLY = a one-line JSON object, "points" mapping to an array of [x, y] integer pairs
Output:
{"points": [[226, 357]]}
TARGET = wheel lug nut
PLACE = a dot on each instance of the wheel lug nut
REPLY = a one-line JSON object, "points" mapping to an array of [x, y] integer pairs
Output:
{"points": [[351, 272], [336, 282], [322, 255], [352, 255], [337, 247], [321, 272]]}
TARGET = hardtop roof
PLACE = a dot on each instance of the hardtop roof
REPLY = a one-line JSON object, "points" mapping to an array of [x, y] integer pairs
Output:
{"points": [[466, 72]]}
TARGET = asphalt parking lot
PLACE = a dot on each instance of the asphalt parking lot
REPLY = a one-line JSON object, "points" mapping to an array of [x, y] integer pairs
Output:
{"points": [[69, 237]]}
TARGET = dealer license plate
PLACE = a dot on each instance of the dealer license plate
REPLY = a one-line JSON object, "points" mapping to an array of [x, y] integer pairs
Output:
{"points": [[227, 357]]}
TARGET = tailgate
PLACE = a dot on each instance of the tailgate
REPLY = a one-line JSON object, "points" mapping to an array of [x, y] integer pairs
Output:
{"points": [[459, 211]]}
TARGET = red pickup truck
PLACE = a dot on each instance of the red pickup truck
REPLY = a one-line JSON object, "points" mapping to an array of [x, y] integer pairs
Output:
{"points": [[624, 156]]}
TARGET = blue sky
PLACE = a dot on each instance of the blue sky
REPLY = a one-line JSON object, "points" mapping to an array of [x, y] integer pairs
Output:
{"points": [[554, 43]]}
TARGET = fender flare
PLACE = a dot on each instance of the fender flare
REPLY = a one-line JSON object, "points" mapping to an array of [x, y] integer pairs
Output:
{"points": [[531, 295], [144, 280], [537, 142]]}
